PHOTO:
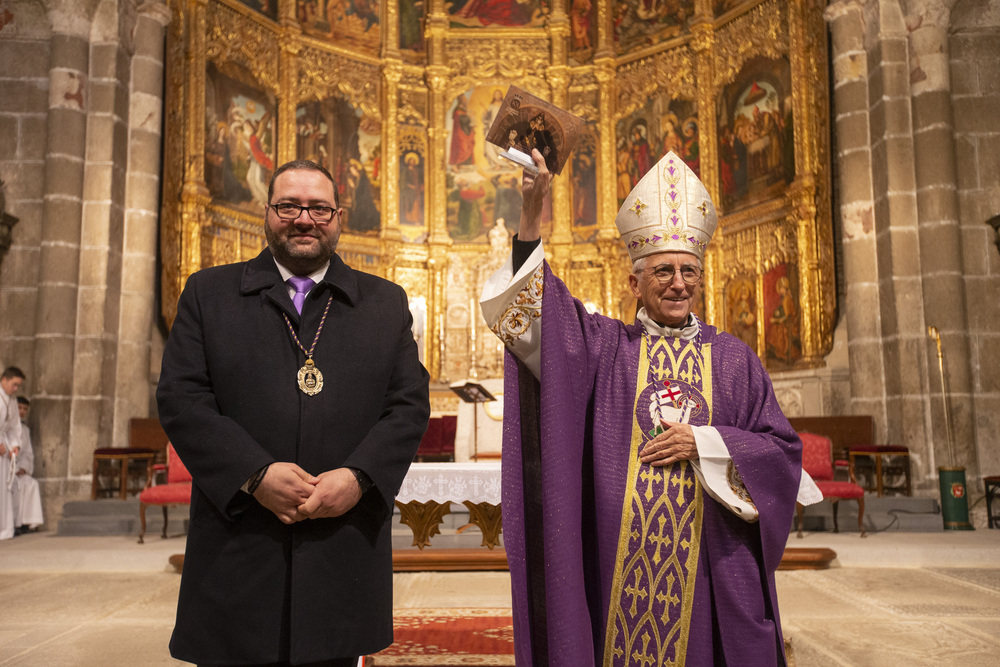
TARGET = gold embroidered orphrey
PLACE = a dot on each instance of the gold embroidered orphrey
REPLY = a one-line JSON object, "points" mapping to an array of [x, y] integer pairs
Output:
{"points": [[653, 587], [310, 378]]}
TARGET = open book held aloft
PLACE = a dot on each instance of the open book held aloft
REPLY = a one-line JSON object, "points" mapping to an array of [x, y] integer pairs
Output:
{"points": [[525, 121]]}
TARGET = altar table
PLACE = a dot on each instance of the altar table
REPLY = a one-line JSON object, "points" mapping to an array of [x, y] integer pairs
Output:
{"points": [[428, 490]]}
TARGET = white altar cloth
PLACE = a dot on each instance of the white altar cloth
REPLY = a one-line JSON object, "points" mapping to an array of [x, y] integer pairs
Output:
{"points": [[454, 482]]}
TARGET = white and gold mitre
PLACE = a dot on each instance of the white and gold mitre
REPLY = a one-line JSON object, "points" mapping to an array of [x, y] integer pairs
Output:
{"points": [[668, 210]]}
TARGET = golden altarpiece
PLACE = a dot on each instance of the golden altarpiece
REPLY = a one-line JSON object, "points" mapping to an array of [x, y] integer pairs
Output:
{"points": [[395, 98]]}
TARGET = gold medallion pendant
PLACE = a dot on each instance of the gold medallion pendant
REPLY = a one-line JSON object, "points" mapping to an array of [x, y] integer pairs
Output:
{"points": [[310, 379]]}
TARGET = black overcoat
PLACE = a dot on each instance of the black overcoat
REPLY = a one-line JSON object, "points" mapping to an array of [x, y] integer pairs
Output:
{"points": [[254, 589]]}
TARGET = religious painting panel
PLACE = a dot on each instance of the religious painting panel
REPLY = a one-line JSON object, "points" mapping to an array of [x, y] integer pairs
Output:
{"points": [[268, 8], [497, 13], [336, 134], [583, 188], [647, 22], [783, 343], [239, 141], [645, 135], [583, 30], [411, 25], [482, 186], [354, 22], [412, 183], [741, 309], [756, 134]]}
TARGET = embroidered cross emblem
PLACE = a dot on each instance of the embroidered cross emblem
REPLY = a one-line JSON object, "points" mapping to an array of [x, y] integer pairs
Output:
{"points": [[648, 475], [644, 658], [673, 393], [638, 207], [635, 591], [667, 600], [685, 483], [660, 540]]}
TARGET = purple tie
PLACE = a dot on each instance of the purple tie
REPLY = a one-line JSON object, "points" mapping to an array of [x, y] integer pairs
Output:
{"points": [[301, 285]]}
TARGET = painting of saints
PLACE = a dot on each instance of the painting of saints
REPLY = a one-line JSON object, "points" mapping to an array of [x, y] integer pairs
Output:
{"points": [[463, 136], [622, 160], [639, 158], [689, 150], [755, 139], [507, 202], [584, 189], [239, 147], [580, 22], [411, 190], [363, 214], [490, 151], [469, 193], [742, 311], [782, 313], [498, 12]]}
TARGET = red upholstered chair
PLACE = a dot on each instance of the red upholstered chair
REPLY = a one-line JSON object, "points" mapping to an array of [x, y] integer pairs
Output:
{"points": [[177, 490], [817, 461], [438, 443]]}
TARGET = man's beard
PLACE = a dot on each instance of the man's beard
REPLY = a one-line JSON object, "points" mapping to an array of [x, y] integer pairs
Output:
{"points": [[286, 253]]}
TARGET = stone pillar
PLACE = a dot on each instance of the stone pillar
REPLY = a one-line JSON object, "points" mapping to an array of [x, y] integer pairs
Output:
{"points": [[133, 394], [940, 234], [854, 155], [62, 212], [898, 246]]}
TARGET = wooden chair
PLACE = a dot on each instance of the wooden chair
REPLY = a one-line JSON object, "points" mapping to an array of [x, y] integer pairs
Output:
{"points": [[147, 446], [176, 491], [817, 461]]}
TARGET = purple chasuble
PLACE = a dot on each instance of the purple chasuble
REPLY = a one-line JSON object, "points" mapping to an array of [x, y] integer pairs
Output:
{"points": [[684, 580]]}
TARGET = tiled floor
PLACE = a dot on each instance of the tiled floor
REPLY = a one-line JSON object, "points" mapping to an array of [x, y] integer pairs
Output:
{"points": [[890, 599]]}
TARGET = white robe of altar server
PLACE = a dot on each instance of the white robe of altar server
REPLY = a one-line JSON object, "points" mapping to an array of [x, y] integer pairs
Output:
{"points": [[27, 497], [10, 436]]}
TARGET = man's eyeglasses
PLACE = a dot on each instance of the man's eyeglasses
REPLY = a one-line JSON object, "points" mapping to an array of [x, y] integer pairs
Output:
{"points": [[289, 211], [664, 273]]}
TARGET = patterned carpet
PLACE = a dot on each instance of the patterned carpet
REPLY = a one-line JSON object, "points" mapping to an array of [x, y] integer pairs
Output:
{"points": [[446, 637]]}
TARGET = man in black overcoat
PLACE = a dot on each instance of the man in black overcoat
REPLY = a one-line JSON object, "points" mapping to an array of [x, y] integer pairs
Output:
{"points": [[298, 429]]}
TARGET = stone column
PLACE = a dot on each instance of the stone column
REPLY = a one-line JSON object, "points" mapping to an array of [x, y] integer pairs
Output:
{"points": [[133, 394], [853, 151], [62, 211], [940, 233]]}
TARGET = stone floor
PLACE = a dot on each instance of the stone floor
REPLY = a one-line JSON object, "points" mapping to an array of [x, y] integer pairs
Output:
{"points": [[889, 599]]}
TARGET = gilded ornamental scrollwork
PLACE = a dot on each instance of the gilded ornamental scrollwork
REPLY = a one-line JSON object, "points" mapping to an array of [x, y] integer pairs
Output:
{"points": [[379, 104], [762, 31]]}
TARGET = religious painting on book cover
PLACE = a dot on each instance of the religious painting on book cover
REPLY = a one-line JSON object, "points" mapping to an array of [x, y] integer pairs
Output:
{"points": [[337, 135], [756, 135], [741, 310], [782, 317], [352, 21], [239, 141], [497, 13]]}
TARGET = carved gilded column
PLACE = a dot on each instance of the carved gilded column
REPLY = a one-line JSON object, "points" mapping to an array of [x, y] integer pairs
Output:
{"points": [[288, 91], [808, 82], [703, 39], [194, 194], [558, 75], [392, 73]]}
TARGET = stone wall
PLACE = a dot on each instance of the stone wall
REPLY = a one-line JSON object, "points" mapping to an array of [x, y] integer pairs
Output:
{"points": [[80, 126], [914, 126]]}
